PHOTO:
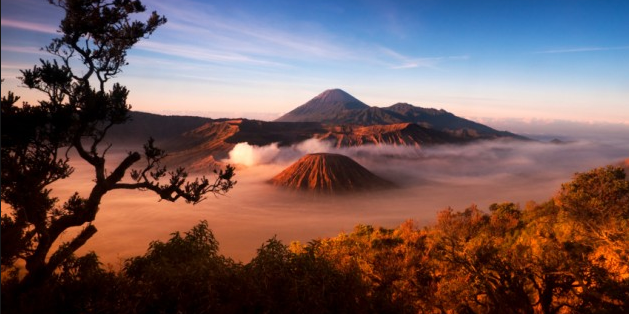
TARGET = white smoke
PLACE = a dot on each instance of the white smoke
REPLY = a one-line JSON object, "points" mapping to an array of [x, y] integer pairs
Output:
{"points": [[251, 155], [244, 154], [312, 146]]}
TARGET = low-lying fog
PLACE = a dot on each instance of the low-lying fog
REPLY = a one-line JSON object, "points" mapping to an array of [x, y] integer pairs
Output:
{"points": [[430, 179]]}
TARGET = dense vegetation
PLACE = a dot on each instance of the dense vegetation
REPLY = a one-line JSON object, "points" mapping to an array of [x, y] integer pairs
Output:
{"points": [[567, 255]]}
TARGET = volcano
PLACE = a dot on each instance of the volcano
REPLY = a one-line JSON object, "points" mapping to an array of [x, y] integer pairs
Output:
{"points": [[325, 107], [329, 174]]}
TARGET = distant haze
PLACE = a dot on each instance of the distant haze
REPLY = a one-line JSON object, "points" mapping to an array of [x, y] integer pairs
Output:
{"points": [[544, 129], [430, 179], [263, 116]]}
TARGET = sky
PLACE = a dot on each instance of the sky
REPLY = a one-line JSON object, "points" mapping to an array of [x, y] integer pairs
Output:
{"points": [[555, 60]]}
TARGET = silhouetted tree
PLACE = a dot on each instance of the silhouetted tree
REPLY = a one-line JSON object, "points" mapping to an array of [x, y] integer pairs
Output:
{"points": [[80, 108]]}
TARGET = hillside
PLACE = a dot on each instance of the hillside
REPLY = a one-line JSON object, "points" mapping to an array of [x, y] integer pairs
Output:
{"points": [[206, 145], [142, 125]]}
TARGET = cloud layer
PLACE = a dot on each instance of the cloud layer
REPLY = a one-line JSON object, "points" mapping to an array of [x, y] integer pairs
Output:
{"points": [[430, 179], [477, 162]]}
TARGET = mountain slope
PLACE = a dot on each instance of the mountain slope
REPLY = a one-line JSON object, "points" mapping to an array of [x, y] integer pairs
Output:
{"points": [[403, 134], [445, 121], [334, 107], [199, 149], [329, 174], [212, 141], [143, 125]]}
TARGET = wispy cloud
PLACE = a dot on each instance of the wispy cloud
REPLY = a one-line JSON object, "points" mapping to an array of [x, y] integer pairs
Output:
{"points": [[250, 37], [14, 68], [22, 49], [581, 49], [203, 54], [35, 27], [404, 62]]}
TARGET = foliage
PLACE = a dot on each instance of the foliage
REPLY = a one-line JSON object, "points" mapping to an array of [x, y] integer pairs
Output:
{"points": [[537, 259], [80, 286], [289, 282], [81, 106], [189, 264]]}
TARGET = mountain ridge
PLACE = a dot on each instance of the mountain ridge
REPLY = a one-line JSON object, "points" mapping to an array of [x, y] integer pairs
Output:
{"points": [[342, 110], [197, 141]]}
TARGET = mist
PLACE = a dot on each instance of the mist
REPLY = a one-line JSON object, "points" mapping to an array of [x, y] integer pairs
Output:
{"points": [[546, 130], [430, 179]]}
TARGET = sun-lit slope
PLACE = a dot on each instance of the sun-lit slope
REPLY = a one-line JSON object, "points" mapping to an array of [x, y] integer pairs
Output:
{"points": [[206, 145], [211, 142], [329, 174], [262, 133], [403, 134], [199, 149]]}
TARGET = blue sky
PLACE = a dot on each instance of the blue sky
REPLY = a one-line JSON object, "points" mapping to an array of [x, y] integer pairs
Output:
{"points": [[564, 60]]}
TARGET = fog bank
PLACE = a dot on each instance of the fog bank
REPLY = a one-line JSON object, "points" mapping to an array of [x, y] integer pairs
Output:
{"points": [[430, 179]]}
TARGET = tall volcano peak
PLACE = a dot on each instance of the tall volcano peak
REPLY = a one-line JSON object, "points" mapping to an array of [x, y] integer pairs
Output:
{"points": [[336, 95], [325, 106]]}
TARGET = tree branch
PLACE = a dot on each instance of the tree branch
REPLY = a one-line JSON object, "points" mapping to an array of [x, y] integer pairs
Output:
{"points": [[69, 248]]}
